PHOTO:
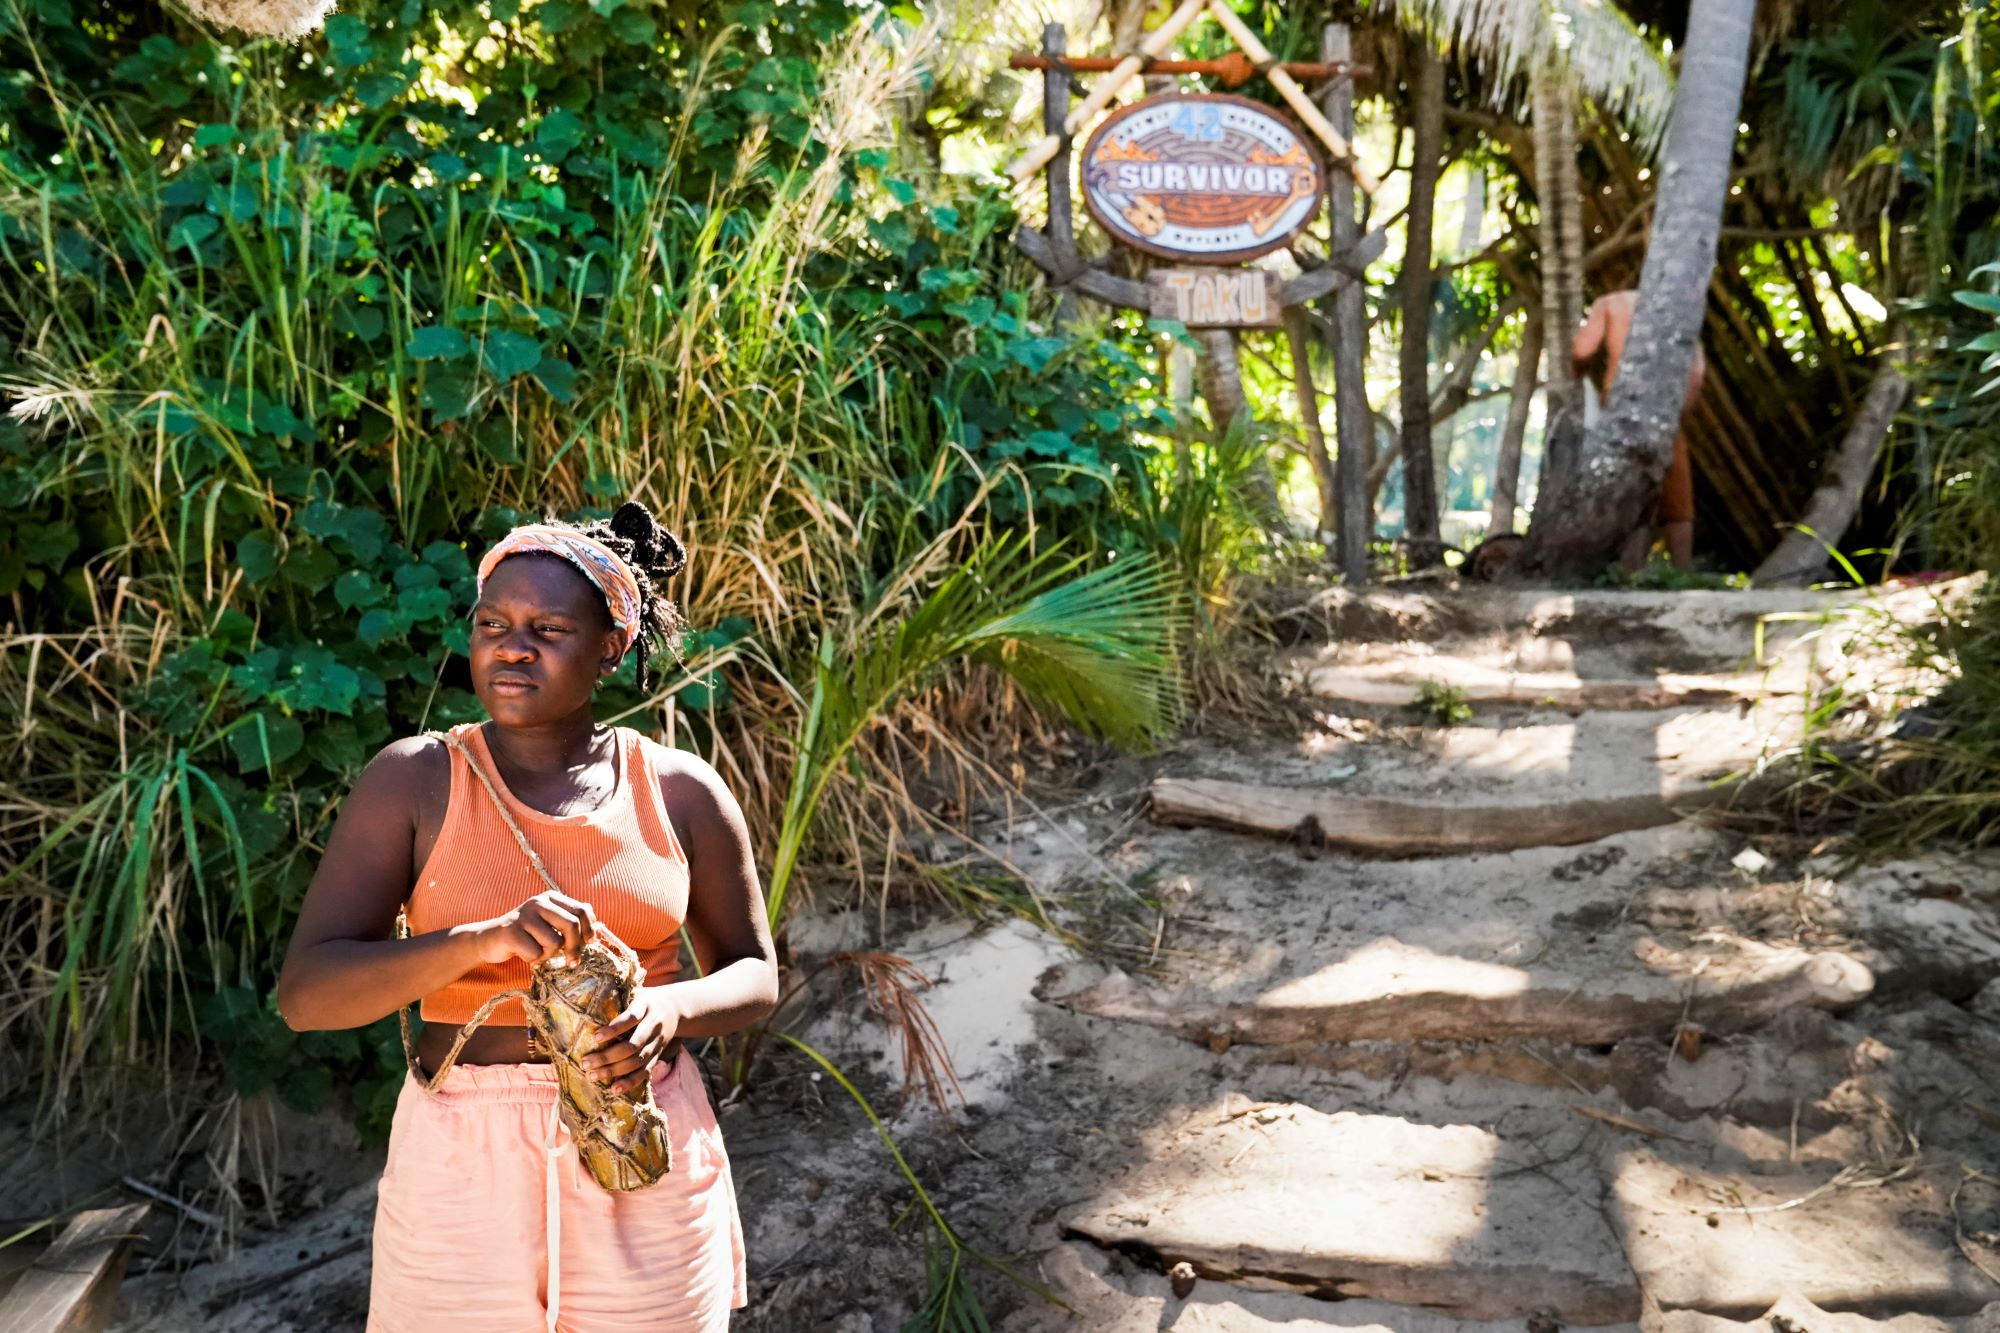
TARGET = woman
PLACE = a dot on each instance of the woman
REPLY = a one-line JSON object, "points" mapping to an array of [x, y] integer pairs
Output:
{"points": [[484, 1218]]}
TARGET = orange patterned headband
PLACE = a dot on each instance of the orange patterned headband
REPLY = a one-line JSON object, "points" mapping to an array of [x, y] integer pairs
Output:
{"points": [[603, 566]]}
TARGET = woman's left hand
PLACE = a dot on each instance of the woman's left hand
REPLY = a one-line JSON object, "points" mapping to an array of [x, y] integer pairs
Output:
{"points": [[631, 1044]]}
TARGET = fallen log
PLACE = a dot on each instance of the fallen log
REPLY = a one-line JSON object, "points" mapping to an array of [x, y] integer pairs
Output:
{"points": [[1403, 828], [73, 1285]]}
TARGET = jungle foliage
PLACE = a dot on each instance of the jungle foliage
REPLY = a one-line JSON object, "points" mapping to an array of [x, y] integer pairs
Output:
{"points": [[288, 334]]}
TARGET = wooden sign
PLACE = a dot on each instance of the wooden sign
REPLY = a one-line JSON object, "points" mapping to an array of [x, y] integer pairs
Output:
{"points": [[1203, 177], [1216, 298]]}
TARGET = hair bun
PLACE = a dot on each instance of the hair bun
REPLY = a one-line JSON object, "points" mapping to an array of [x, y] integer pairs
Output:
{"points": [[656, 550]]}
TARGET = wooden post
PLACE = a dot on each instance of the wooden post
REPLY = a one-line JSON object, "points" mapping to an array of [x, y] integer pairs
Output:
{"points": [[1420, 498], [1350, 340], [1055, 111]]}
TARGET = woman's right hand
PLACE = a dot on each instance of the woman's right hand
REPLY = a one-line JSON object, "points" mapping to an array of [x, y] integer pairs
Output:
{"points": [[545, 925]]}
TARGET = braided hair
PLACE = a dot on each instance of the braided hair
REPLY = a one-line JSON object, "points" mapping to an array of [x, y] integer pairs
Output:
{"points": [[655, 556]]}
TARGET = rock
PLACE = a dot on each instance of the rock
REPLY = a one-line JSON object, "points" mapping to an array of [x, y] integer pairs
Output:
{"points": [[1933, 921], [1451, 1218], [1703, 1237]]}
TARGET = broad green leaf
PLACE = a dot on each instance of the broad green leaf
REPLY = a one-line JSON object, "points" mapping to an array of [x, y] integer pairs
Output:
{"points": [[437, 341], [507, 354]]}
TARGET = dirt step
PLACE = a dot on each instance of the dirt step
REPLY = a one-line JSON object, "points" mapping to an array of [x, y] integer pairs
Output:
{"points": [[1451, 1218], [1609, 632], [1506, 760], [1874, 1238], [1795, 1313], [1270, 948], [1402, 828]]}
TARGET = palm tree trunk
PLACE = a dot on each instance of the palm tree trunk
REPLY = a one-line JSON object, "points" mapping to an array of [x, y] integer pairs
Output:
{"points": [[1220, 374], [1627, 450], [1559, 191], [1420, 509], [1507, 467]]}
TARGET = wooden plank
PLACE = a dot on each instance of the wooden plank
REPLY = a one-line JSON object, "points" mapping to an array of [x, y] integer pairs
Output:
{"points": [[73, 1285], [1398, 828]]}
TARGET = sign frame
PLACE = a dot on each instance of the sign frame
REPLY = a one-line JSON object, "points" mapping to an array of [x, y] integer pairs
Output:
{"points": [[1276, 240]]}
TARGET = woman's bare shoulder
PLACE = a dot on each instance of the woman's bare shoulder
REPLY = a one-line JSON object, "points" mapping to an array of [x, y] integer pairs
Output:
{"points": [[404, 772], [687, 780]]}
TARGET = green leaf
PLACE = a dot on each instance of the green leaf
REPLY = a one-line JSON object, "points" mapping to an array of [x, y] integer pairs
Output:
{"points": [[214, 136], [355, 588], [560, 131], [438, 342], [320, 682], [265, 740], [557, 16], [634, 28], [312, 567], [192, 230], [448, 391], [377, 627], [418, 605], [558, 377], [257, 555], [1985, 301], [507, 354]]}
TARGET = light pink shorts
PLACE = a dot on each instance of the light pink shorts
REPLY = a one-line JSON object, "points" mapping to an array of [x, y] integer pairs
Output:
{"points": [[480, 1176]]}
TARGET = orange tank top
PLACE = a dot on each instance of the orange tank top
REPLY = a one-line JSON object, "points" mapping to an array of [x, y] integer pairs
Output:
{"points": [[622, 858]]}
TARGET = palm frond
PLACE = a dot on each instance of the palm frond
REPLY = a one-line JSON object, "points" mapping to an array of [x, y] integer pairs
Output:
{"points": [[1609, 59], [1098, 647]]}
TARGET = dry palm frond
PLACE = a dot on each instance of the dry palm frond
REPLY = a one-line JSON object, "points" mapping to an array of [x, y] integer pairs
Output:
{"points": [[286, 20], [890, 985]]}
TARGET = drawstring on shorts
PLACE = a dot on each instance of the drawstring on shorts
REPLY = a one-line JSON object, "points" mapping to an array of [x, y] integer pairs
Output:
{"points": [[552, 1187]]}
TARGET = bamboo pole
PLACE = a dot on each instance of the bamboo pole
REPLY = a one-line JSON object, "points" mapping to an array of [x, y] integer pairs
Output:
{"points": [[1101, 93], [1295, 97]]}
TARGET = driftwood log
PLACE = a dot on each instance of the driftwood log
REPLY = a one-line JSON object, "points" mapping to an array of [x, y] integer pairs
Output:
{"points": [[1802, 556]]}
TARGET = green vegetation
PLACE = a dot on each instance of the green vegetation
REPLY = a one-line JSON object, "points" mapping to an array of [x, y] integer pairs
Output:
{"points": [[288, 334], [1442, 704]]}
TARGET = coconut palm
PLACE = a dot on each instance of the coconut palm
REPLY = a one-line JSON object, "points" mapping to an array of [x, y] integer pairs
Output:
{"points": [[1628, 448]]}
